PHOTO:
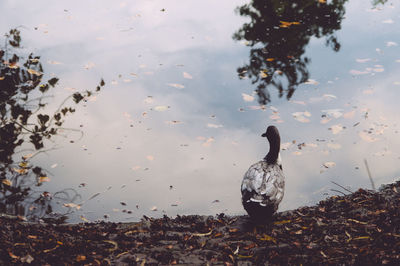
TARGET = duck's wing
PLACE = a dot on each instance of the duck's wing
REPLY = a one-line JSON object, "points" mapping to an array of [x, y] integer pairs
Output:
{"points": [[263, 183]]}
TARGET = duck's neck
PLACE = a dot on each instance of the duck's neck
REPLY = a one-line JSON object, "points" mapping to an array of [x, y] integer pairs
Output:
{"points": [[274, 147]]}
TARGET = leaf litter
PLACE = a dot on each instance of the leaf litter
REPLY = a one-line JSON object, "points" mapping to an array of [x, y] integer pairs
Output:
{"points": [[361, 228]]}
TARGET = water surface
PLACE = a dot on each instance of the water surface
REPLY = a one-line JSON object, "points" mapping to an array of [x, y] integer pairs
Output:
{"points": [[190, 87]]}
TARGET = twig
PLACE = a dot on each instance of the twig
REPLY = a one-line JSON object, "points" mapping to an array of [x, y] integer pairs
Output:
{"points": [[369, 175], [342, 187]]}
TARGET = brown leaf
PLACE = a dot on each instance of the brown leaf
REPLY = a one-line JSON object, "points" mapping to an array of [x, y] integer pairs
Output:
{"points": [[80, 258]]}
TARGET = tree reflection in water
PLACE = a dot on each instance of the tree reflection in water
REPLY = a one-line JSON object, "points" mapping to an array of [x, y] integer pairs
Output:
{"points": [[23, 94], [278, 34]]}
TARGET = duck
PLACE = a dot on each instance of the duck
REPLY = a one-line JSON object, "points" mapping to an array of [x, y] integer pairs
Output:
{"points": [[264, 183]]}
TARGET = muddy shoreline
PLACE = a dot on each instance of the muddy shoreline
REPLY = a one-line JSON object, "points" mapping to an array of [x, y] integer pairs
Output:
{"points": [[359, 228]]}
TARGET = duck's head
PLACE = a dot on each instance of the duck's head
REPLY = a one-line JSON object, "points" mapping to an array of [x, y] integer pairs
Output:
{"points": [[271, 134]]}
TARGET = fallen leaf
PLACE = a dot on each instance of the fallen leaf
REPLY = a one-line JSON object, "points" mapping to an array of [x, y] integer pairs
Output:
{"points": [[154, 208], [203, 234], [27, 258], [80, 258], [150, 157], [268, 238]]}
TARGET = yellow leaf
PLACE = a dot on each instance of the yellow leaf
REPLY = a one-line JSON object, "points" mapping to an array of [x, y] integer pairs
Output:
{"points": [[322, 1], [20, 171], [7, 182], [84, 219], [205, 234], [44, 179], [244, 257], [2, 78], [361, 237], [13, 66], [282, 222], [51, 249], [34, 72], [73, 205], [115, 244], [270, 59], [12, 255], [23, 164], [268, 238]]}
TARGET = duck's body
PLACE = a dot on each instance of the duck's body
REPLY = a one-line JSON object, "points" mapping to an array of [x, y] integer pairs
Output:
{"points": [[263, 184]]}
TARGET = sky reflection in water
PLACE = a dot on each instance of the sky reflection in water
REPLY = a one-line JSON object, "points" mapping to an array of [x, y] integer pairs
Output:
{"points": [[175, 128]]}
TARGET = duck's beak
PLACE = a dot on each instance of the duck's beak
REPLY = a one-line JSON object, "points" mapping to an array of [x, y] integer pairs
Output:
{"points": [[264, 134]]}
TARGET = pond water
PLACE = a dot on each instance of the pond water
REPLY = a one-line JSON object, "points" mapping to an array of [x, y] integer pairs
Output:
{"points": [[191, 85]]}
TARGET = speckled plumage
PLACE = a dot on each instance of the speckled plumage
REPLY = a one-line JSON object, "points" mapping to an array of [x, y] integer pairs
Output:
{"points": [[263, 184]]}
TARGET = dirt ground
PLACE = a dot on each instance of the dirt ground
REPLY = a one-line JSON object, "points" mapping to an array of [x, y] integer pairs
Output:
{"points": [[361, 228]]}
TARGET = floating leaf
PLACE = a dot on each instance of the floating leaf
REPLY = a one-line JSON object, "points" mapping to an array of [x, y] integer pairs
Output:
{"points": [[301, 116], [364, 60], [20, 171], [23, 164], [161, 108], [367, 137], [150, 157], [187, 75], [84, 219], [336, 129], [335, 113], [329, 164], [34, 72], [311, 82], [247, 97], [44, 179], [358, 72], [72, 205], [210, 125], [154, 208], [6, 182], [173, 122], [176, 85]]}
